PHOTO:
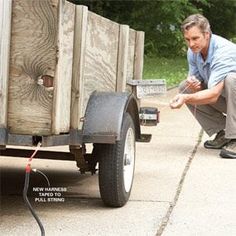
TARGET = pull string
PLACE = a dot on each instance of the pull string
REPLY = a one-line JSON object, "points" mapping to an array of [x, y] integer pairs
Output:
{"points": [[34, 153], [195, 105], [185, 89]]}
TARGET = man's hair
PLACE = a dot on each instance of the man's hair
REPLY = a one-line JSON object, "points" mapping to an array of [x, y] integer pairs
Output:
{"points": [[196, 20]]}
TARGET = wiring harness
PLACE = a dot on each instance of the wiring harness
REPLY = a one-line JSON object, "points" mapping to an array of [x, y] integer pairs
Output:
{"points": [[25, 191]]}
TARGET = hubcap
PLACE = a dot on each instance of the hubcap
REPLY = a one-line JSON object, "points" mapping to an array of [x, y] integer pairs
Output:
{"points": [[129, 155]]}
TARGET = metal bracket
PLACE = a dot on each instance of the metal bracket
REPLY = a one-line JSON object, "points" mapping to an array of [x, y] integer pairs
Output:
{"points": [[145, 138], [148, 88], [79, 153], [3, 137]]}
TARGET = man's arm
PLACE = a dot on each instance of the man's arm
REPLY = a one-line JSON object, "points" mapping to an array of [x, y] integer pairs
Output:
{"points": [[202, 97]]}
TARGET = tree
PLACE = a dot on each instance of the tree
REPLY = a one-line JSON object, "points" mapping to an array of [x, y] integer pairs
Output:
{"points": [[222, 17], [161, 20]]}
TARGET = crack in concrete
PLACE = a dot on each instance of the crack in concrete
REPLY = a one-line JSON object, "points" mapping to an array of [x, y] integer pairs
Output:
{"points": [[166, 218], [136, 200]]}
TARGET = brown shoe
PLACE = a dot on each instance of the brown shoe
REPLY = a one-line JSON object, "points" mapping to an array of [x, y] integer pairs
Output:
{"points": [[218, 142], [229, 151]]}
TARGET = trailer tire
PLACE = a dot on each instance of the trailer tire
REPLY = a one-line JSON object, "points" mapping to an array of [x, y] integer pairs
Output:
{"points": [[116, 166]]}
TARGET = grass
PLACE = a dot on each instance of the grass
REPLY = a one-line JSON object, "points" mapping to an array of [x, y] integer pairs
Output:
{"points": [[173, 70]]}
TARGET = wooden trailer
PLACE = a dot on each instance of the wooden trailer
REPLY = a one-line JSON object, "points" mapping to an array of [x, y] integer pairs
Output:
{"points": [[67, 78]]}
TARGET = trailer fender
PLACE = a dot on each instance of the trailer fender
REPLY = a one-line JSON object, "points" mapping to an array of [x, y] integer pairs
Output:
{"points": [[104, 115]]}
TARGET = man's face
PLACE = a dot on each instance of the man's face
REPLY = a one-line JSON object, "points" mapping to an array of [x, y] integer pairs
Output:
{"points": [[197, 40]]}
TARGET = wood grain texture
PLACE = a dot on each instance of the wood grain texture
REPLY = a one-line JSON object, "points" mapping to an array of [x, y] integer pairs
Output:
{"points": [[63, 78], [130, 68], [5, 33], [101, 55], [122, 58], [131, 59], [55, 64], [138, 55], [40, 67], [78, 66], [138, 59], [33, 54]]}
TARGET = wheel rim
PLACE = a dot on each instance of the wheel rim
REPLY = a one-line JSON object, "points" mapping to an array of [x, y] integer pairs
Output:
{"points": [[129, 155]]}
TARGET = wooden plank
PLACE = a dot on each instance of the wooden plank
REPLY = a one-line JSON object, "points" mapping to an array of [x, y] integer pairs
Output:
{"points": [[5, 30], [138, 55], [63, 79], [131, 51], [136, 51], [100, 55], [130, 69], [78, 66], [122, 58]]}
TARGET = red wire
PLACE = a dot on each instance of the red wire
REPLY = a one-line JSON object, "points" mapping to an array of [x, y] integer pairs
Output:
{"points": [[28, 166]]}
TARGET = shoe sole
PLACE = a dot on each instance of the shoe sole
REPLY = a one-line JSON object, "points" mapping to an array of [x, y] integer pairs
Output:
{"points": [[213, 147], [227, 154]]}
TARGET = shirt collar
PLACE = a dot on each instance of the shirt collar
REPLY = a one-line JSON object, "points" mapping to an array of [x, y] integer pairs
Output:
{"points": [[211, 49], [210, 52]]}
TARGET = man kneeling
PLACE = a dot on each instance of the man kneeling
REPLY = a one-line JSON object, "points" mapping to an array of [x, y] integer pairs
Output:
{"points": [[210, 87]]}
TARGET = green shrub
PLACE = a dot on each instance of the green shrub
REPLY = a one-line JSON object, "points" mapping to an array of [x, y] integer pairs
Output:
{"points": [[173, 70]]}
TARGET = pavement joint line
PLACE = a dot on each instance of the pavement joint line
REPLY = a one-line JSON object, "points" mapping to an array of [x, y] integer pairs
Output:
{"points": [[134, 200], [174, 136], [166, 218]]}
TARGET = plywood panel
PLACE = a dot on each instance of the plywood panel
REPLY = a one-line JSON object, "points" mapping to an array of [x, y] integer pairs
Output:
{"points": [[5, 29], [100, 56], [40, 67], [33, 54]]}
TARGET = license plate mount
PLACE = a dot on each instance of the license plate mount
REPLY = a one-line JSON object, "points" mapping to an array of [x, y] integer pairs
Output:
{"points": [[148, 88]]}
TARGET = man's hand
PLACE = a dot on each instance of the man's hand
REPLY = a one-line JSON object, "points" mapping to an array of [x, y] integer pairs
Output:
{"points": [[193, 84], [206, 96], [177, 101]]}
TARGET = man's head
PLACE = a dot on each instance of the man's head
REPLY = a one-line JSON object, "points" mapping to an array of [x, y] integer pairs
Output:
{"points": [[196, 20], [197, 31]]}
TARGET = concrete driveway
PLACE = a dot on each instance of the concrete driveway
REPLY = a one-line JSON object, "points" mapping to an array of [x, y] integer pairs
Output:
{"points": [[179, 189]]}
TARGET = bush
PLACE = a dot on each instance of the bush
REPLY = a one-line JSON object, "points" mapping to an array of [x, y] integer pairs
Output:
{"points": [[173, 70]]}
